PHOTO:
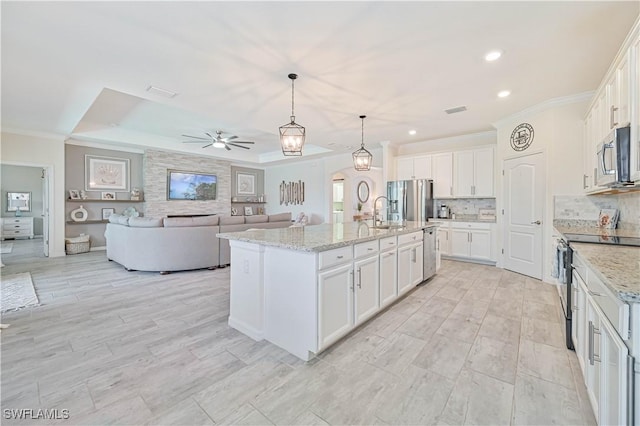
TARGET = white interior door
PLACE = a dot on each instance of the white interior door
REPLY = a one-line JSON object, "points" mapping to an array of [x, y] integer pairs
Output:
{"points": [[45, 211], [523, 213]]}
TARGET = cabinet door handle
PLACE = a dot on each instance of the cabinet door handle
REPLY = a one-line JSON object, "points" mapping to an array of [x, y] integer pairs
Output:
{"points": [[613, 113], [584, 181], [592, 355], [437, 244], [339, 257], [359, 277], [451, 190], [352, 279], [413, 255], [370, 249], [470, 237], [593, 293], [391, 243]]}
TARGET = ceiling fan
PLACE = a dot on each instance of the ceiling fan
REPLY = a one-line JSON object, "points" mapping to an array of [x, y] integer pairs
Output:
{"points": [[218, 141]]}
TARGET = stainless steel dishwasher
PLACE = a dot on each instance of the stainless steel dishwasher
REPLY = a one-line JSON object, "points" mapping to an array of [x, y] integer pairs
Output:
{"points": [[429, 253]]}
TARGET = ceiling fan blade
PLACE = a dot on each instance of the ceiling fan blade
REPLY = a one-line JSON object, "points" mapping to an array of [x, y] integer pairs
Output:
{"points": [[203, 140], [206, 146], [208, 134], [239, 146], [227, 147], [230, 138], [244, 142], [196, 137]]}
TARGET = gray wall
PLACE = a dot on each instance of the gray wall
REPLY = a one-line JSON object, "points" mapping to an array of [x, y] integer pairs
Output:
{"points": [[239, 205], [156, 164], [23, 179], [75, 179]]}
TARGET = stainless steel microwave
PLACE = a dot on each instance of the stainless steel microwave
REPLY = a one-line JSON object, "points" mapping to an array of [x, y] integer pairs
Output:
{"points": [[614, 159]]}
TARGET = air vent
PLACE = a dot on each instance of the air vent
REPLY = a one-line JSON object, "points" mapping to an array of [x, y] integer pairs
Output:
{"points": [[456, 109], [162, 92]]}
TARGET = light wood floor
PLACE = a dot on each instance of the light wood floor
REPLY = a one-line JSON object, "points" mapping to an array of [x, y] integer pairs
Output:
{"points": [[475, 345]]}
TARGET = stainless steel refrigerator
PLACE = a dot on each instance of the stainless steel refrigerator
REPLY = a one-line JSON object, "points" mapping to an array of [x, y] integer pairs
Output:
{"points": [[410, 200]]}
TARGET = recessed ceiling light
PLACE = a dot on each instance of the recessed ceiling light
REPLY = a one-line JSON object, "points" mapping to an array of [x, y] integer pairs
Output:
{"points": [[503, 93], [412, 132], [493, 55]]}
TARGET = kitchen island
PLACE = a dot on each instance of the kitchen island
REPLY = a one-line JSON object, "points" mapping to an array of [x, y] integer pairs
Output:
{"points": [[305, 288]]}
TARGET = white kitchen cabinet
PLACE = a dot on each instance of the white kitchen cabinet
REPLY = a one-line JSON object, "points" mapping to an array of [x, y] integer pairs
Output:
{"points": [[635, 108], [410, 266], [592, 370], [473, 173], [443, 175], [579, 315], [438, 253], [388, 276], [410, 261], [618, 95], [471, 240], [615, 104], [335, 304], [366, 288], [613, 377], [414, 168]]}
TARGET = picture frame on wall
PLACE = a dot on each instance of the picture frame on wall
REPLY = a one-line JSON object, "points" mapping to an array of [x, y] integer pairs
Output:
{"points": [[106, 212], [245, 183], [107, 195], [106, 173], [248, 211], [74, 194]]}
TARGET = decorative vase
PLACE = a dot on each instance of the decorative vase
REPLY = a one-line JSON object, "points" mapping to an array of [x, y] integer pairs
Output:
{"points": [[79, 215]]}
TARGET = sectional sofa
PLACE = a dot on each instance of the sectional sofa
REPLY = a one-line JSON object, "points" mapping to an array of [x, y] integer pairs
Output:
{"points": [[179, 243]]}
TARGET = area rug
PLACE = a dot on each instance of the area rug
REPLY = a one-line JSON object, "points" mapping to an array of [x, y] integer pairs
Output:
{"points": [[17, 292], [6, 248]]}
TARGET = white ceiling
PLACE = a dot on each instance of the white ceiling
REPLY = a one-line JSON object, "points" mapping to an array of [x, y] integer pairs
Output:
{"points": [[82, 69]]}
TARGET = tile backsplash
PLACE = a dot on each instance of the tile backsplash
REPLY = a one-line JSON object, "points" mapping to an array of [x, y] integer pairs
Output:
{"points": [[465, 206], [587, 208]]}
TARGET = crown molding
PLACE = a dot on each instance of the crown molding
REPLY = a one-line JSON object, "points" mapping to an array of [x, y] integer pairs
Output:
{"points": [[35, 134], [545, 106]]}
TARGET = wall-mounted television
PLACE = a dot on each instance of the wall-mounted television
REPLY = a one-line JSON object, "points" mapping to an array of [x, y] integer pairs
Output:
{"points": [[183, 185]]}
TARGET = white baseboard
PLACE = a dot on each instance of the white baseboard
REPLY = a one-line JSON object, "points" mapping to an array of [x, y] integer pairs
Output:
{"points": [[101, 248]]}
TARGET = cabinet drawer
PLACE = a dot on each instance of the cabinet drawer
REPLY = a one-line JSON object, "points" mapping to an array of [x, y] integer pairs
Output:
{"points": [[409, 238], [16, 226], [616, 311], [16, 233], [470, 225], [387, 243], [334, 257], [25, 220], [365, 249]]}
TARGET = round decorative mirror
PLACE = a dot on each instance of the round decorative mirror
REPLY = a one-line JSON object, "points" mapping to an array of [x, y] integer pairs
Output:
{"points": [[363, 191]]}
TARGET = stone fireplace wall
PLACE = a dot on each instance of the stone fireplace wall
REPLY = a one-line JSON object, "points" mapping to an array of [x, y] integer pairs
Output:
{"points": [[156, 164]]}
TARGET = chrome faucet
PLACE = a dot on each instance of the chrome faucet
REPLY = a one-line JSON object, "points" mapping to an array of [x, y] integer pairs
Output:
{"points": [[375, 211]]}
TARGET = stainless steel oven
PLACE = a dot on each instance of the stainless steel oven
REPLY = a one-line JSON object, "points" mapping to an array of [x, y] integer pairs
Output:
{"points": [[564, 249]]}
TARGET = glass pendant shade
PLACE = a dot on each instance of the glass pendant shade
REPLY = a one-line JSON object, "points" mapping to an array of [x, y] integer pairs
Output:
{"points": [[292, 135], [362, 158]]}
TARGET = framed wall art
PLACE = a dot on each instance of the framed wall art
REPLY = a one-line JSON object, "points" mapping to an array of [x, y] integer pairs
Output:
{"points": [[107, 212], [245, 183], [106, 173]]}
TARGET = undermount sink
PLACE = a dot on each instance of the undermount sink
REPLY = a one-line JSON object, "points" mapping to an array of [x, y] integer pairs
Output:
{"points": [[387, 227]]}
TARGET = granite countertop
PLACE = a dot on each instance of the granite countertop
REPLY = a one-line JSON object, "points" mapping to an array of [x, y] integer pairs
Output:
{"points": [[466, 218], [617, 266], [594, 230], [315, 238]]}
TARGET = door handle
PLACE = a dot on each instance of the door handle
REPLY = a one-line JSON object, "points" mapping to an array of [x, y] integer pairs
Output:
{"points": [[359, 277], [537, 222]]}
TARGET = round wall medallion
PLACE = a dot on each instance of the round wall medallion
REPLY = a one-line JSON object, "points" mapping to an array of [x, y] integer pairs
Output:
{"points": [[521, 137]]}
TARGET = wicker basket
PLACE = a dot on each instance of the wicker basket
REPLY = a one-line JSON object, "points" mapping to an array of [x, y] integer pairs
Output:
{"points": [[77, 245]]}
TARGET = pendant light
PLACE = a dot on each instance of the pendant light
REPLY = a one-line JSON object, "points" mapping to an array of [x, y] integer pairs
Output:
{"points": [[292, 134], [362, 158]]}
